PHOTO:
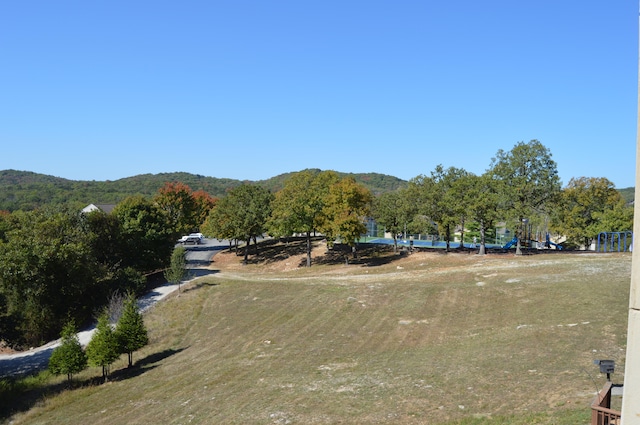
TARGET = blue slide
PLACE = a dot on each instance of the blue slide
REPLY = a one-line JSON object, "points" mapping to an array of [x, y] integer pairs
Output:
{"points": [[549, 243], [510, 243]]}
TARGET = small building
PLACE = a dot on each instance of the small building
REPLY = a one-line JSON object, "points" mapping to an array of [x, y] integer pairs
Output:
{"points": [[105, 208]]}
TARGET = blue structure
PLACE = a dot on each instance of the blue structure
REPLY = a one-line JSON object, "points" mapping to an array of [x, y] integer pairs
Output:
{"points": [[612, 241], [551, 244], [510, 243]]}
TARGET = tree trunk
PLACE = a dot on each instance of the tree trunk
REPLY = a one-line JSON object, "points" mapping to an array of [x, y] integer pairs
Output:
{"points": [[518, 250], [395, 243], [246, 251], [481, 251], [447, 236], [308, 249]]}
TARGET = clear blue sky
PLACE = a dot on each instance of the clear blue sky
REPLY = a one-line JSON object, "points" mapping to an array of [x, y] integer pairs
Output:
{"points": [[101, 90]]}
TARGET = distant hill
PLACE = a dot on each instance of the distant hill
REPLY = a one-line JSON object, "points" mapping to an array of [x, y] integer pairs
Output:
{"points": [[25, 190], [628, 194]]}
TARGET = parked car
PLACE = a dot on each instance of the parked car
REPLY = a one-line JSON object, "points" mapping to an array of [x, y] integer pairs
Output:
{"points": [[193, 238]]}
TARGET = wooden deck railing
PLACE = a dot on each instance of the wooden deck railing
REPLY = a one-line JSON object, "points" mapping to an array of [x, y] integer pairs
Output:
{"points": [[601, 412]]}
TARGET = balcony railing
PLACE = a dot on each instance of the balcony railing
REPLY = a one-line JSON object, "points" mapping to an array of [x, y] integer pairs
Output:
{"points": [[601, 412]]}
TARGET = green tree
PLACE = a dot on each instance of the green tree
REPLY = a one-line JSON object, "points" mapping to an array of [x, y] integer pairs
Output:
{"points": [[346, 208], [529, 182], [130, 330], [177, 270], [394, 211], [102, 350], [48, 274], [147, 235], [582, 206], [68, 358], [435, 198], [241, 215], [618, 218], [483, 200], [297, 208]]}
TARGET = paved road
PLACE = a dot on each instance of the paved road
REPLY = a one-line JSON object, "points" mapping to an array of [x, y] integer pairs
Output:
{"points": [[198, 257]]}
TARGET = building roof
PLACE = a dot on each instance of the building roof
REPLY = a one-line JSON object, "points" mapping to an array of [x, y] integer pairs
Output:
{"points": [[106, 208]]}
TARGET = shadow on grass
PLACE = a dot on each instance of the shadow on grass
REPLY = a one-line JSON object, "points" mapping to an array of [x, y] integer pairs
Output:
{"points": [[274, 250], [156, 357], [20, 394], [198, 285]]}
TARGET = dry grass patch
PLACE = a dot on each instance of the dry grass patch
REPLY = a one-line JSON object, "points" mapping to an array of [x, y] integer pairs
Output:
{"points": [[426, 338]]}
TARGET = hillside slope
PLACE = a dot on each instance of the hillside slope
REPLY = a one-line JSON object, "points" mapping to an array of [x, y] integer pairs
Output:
{"points": [[425, 338], [26, 190]]}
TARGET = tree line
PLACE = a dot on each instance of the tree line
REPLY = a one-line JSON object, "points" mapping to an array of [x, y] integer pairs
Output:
{"points": [[24, 190], [521, 190], [57, 264]]}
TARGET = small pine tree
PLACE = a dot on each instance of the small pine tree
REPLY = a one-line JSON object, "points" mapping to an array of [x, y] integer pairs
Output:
{"points": [[130, 330], [177, 269], [68, 358], [102, 350]]}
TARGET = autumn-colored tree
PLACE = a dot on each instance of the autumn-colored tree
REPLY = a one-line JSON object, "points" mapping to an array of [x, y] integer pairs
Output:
{"points": [[203, 203], [177, 201]]}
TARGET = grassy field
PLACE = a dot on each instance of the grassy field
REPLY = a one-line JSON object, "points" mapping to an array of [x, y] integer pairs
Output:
{"points": [[428, 338]]}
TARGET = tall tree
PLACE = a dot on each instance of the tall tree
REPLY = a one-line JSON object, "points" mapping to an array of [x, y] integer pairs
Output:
{"points": [[68, 358], [177, 270], [241, 215], [530, 181], [130, 330], [582, 204], [177, 201], [346, 208], [204, 203], [393, 211], [102, 350], [297, 208], [436, 200], [483, 201], [147, 234]]}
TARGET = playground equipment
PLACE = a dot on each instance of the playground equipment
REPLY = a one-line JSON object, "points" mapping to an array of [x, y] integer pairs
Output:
{"points": [[612, 241], [547, 244], [510, 243]]}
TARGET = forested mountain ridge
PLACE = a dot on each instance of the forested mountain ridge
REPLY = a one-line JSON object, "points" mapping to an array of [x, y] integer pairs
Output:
{"points": [[25, 190]]}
